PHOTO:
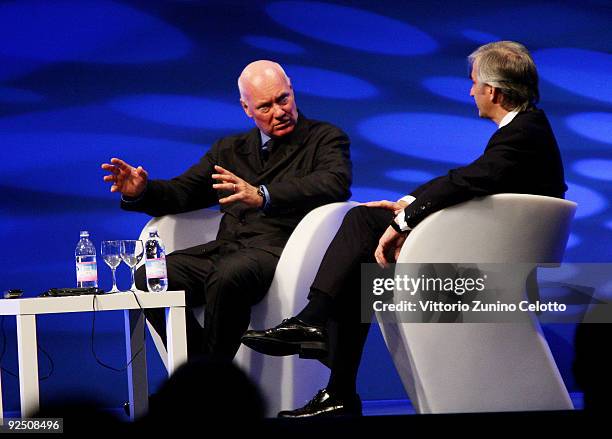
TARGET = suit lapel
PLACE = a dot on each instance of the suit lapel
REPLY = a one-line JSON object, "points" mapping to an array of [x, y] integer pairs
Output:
{"points": [[280, 154], [249, 151], [250, 157], [285, 149]]}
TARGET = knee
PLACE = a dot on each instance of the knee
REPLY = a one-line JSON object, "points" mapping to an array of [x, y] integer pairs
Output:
{"points": [[177, 276], [356, 214]]}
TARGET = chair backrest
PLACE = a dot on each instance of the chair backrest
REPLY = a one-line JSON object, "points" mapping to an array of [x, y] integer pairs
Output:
{"points": [[476, 367], [185, 230], [286, 382], [299, 263], [495, 229]]}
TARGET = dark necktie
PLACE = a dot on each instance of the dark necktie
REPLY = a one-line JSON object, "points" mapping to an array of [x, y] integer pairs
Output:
{"points": [[266, 150]]}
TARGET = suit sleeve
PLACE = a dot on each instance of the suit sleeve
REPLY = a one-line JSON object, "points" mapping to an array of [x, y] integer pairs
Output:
{"points": [[485, 176], [329, 182], [190, 191], [422, 188]]}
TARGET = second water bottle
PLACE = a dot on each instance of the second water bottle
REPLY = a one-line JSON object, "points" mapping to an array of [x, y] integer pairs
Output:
{"points": [[155, 262]]}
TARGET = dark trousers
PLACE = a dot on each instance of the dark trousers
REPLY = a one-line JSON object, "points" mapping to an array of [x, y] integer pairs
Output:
{"points": [[339, 276], [227, 281]]}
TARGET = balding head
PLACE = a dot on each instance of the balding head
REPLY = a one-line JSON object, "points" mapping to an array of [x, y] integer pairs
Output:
{"points": [[267, 97], [258, 73]]}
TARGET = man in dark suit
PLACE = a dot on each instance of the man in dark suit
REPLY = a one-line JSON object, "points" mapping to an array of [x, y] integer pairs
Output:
{"points": [[265, 180], [521, 157]]}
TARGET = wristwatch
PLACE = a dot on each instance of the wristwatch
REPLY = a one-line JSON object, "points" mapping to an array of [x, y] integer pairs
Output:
{"points": [[262, 194]]}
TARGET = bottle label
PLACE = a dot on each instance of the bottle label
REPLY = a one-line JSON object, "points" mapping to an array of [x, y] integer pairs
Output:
{"points": [[156, 268], [87, 271]]}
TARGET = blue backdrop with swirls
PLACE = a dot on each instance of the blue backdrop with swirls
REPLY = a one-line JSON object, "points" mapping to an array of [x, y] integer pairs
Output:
{"points": [[154, 82]]}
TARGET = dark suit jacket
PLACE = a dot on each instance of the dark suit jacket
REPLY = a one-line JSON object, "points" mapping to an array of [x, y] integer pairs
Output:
{"points": [[521, 157], [306, 169]]}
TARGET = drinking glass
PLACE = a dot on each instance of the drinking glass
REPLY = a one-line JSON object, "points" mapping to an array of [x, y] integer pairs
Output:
{"points": [[131, 253], [111, 252]]}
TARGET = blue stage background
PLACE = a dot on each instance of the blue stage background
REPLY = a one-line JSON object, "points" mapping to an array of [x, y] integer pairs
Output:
{"points": [[154, 82]]}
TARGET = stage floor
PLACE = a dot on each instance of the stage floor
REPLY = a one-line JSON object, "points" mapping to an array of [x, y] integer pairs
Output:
{"points": [[370, 408], [404, 407]]}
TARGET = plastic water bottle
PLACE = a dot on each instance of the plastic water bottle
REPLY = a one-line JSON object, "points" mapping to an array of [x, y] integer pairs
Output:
{"points": [[155, 263], [86, 267]]}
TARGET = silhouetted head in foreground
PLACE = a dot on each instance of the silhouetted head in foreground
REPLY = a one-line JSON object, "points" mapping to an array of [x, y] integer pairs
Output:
{"points": [[206, 391], [82, 415]]}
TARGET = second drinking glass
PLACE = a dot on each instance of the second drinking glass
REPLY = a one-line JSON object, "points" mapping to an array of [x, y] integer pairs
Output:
{"points": [[131, 253]]}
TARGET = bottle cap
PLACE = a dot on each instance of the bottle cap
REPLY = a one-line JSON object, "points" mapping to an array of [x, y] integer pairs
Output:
{"points": [[84, 233]]}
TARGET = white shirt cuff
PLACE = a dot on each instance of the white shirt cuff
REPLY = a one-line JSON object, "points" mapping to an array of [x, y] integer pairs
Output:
{"points": [[400, 219], [408, 199]]}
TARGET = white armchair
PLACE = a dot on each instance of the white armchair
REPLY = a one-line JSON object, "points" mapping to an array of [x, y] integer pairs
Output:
{"points": [[478, 367], [286, 382]]}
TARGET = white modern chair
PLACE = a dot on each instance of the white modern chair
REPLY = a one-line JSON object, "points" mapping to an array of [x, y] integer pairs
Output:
{"points": [[286, 382], [479, 367]]}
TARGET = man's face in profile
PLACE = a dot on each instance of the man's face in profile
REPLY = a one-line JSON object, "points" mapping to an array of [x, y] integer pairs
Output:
{"points": [[481, 94], [271, 104]]}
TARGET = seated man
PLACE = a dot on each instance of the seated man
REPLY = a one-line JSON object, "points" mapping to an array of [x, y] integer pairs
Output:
{"points": [[267, 180], [522, 156]]}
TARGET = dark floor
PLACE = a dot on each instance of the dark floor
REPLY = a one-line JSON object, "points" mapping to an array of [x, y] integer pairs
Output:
{"points": [[404, 407], [370, 408]]}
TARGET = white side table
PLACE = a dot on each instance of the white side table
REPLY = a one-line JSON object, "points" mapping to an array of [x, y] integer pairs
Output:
{"points": [[26, 310]]}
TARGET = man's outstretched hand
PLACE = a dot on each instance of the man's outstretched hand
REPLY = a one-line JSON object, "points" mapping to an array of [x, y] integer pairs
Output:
{"points": [[242, 191], [128, 180]]}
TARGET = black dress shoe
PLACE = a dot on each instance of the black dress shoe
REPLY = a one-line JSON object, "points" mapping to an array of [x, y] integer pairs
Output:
{"points": [[291, 337], [324, 404]]}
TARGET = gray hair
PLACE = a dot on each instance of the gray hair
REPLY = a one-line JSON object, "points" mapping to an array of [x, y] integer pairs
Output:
{"points": [[509, 67]]}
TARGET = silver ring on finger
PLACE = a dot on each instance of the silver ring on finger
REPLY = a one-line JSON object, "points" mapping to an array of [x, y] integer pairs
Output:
{"points": [[234, 187]]}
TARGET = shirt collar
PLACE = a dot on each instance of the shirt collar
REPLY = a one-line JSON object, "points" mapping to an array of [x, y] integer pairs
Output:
{"points": [[264, 137], [507, 119]]}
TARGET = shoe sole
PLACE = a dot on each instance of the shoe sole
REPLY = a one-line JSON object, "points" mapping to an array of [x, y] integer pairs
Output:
{"points": [[309, 350], [332, 414]]}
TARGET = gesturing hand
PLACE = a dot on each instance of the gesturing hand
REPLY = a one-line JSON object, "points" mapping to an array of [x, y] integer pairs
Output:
{"points": [[395, 206], [242, 191], [390, 244], [126, 179]]}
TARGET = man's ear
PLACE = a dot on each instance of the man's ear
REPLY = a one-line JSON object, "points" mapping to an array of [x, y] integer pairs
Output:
{"points": [[246, 109], [496, 96]]}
